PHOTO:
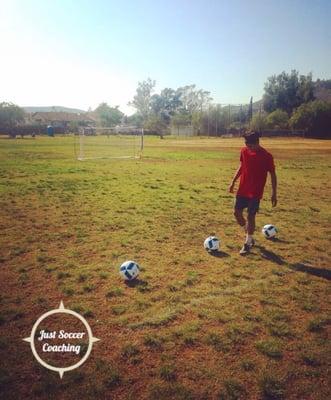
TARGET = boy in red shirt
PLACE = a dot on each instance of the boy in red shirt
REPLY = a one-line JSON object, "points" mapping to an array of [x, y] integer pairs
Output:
{"points": [[255, 163]]}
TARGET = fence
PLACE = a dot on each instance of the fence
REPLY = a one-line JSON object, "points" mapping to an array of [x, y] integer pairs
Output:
{"points": [[26, 130], [282, 133]]}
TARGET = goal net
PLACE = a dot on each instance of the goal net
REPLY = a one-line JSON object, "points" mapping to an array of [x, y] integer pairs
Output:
{"points": [[98, 143]]}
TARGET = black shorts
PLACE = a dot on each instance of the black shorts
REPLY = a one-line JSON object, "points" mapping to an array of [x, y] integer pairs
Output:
{"points": [[252, 205]]}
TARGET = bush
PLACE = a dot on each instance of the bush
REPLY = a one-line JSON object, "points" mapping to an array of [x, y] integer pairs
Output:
{"points": [[11, 115], [314, 117], [156, 124], [258, 122], [278, 119]]}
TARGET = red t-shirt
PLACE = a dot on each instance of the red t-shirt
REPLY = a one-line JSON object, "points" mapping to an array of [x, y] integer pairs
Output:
{"points": [[255, 165]]}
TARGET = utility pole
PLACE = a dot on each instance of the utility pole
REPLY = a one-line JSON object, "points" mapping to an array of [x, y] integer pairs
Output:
{"points": [[208, 119], [250, 110], [229, 118], [241, 112], [260, 114]]}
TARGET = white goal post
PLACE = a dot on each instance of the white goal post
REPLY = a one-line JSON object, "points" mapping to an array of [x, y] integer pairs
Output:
{"points": [[109, 142]]}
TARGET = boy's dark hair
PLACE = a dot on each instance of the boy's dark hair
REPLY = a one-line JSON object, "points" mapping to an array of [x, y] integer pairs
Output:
{"points": [[251, 137]]}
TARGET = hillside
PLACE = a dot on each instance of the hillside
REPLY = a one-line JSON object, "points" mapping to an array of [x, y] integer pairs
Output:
{"points": [[322, 93], [53, 109]]}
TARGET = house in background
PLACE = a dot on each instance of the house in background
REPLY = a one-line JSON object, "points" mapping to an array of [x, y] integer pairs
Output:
{"points": [[63, 120]]}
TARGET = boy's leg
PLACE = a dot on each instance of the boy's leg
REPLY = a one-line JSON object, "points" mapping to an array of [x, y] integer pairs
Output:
{"points": [[251, 224], [252, 208], [241, 203], [250, 229], [238, 213]]}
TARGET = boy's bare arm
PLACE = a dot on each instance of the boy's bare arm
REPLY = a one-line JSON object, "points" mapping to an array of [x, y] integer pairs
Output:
{"points": [[274, 188], [238, 173]]}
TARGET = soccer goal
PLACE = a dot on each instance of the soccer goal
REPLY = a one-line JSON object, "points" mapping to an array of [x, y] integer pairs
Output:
{"points": [[103, 143]]}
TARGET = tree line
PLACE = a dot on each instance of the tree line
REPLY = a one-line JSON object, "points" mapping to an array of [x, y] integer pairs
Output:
{"points": [[288, 103]]}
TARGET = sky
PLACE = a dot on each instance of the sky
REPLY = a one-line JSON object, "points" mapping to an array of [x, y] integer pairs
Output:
{"points": [[79, 53]]}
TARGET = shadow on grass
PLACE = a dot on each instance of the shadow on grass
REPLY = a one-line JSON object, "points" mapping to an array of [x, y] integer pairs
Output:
{"points": [[300, 267], [270, 255], [312, 270], [136, 282], [218, 253], [276, 240]]}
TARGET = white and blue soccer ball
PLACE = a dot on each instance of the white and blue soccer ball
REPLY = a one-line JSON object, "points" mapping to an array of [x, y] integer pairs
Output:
{"points": [[212, 243], [269, 231], [129, 270]]}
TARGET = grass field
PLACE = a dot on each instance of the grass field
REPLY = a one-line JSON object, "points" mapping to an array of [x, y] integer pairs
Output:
{"points": [[194, 326]]}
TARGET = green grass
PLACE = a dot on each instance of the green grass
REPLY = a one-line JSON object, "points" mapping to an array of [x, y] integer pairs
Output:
{"points": [[216, 341], [168, 372], [195, 325], [130, 350], [272, 388], [247, 365], [170, 391], [153, 341], [318, 324], [233, 390], [114, 292], [270, 348]]}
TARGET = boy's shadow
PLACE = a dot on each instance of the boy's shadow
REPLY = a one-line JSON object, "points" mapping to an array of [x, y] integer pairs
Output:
{"points": [[300, 267], [311, 269], [270, 255]]}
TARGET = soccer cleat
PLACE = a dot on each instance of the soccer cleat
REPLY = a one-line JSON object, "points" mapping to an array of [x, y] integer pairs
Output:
{"points": [[246, 248]]}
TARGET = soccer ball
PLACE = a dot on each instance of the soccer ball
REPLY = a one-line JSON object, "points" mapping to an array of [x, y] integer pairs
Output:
{"points": [[129, 270], [212, 243], [269, 231]]}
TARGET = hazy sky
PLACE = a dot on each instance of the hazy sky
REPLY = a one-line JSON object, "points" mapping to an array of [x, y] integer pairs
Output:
{"points": [[79, 53]]}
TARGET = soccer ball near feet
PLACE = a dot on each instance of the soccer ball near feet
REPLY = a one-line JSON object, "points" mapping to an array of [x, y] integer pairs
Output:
{"points": [[269, 231], [212, 243], [129, 270]]}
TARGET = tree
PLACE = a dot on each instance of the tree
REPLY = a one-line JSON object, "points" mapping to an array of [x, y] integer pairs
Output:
{"points": [[258, 122], [314, 117], [108, 116], [239, 116], [181, 119], [142, 99], [11, 115], [250, 110], [197, 122], [166, 103], [214, 120], [193, 100], [156, 124], [323, 83], [287, 91], [135, 119], [278, 119]]}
